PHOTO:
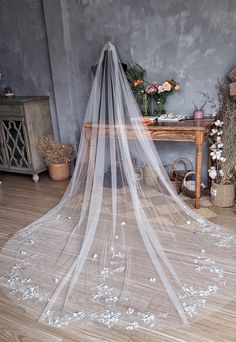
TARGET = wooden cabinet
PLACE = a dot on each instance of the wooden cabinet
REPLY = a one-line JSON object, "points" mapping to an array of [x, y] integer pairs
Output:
{"points": [[23, 120]]}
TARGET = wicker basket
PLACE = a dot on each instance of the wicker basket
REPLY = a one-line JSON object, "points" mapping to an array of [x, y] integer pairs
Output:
{"points": [[179, 173], [176, 184], [149, 175], [188, 185], [223, 195]]}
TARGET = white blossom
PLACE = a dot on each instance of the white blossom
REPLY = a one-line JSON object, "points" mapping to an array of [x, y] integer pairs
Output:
{"points": [[212, 172], [213, 147], [218, 139], [219, 123], [220, 132], [221, 173], [216, 154], [222, 159], [220, 145], [213, 131]]}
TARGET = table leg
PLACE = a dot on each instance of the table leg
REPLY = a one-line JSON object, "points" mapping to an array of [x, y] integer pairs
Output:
{"points": [[199, 143]]}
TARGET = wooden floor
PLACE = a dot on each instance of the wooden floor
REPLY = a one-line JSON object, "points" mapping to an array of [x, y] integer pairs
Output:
{"points": [[22, 201]]}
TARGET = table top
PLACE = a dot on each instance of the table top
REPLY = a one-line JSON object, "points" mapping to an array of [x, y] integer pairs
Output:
{"points": [[16, 100], [185, 125]]}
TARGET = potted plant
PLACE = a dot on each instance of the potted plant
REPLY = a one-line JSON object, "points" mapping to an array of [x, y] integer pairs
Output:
{"points": [[198, 112], [57, 156], [223, 154]]}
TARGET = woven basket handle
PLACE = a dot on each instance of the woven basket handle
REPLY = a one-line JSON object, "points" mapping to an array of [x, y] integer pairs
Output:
{"points": [[185, 161], [188, 174], [169, 170]]}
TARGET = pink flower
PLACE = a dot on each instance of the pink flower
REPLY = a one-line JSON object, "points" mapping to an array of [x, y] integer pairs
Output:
{"points": [[152, 88], [160, 89]]}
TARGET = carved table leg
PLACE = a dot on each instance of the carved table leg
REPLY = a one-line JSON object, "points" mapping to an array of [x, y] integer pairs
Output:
{"points": [[35, 178], [199, 143]]}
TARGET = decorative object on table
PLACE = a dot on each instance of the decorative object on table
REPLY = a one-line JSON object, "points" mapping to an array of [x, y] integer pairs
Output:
{"points": [[198, 111], [160, 92], [23, 120], [145, 92], [57, 156], [189, 184], [223, 154], [8, 92], [135, 75], [171, 117], [150, 120]]}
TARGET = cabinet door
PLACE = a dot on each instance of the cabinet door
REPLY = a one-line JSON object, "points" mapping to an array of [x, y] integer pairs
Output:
{"points": [[2, 150], [15, 144]]}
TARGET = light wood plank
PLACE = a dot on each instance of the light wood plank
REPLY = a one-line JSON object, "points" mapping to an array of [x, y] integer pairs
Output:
{"points": [[21, 201]]}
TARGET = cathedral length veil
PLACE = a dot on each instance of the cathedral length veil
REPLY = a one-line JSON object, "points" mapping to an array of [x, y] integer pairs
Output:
{"points": [[116, 251]]}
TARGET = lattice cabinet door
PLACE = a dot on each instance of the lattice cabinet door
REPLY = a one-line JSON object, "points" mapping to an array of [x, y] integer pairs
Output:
{"points": [[15, 145], [23, 121]]}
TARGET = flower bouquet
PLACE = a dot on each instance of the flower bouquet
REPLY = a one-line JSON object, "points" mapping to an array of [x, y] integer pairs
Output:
{"points": [[145, 91]]}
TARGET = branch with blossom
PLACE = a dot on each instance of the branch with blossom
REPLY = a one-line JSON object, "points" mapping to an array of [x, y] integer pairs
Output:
{"points": [[216, 172]]}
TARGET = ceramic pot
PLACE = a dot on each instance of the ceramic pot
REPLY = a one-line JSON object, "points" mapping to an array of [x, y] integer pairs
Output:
{"points": [[198, 114], [59, 172]]}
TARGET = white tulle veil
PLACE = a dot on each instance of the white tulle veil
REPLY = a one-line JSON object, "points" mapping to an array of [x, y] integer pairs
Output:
{"points": [[118, 250]]}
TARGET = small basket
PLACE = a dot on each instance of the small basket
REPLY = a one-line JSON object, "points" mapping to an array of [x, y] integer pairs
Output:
{"points": [[179, 174], [149, 175], [176, 184], [223, 195], [188, 185]]}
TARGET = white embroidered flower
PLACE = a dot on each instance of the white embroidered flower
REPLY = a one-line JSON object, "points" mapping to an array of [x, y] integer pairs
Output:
{"points": [[218, 139], [220, 132], [213, 147], [220, 145], [222, 159]]}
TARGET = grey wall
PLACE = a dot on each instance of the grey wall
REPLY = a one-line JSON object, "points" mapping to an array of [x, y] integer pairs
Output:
{"points": [[24, 57], [191, 41]]}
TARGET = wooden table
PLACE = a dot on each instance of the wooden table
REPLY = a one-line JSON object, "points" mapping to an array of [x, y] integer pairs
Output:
{"points": [[187, 131]]}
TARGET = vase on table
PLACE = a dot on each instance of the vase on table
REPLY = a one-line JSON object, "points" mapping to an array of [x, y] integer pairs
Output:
{"points": [[160, 108]]}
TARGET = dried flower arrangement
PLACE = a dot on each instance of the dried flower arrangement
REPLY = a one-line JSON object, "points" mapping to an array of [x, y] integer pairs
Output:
{"points": [[53, 152], [223, 139], [227, 112]]}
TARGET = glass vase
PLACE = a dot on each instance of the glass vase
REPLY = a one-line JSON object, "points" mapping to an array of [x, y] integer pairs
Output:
{"points": [[159, 108]]}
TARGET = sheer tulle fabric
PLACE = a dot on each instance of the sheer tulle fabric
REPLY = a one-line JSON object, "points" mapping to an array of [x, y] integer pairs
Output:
{"points": [[119, 251]]}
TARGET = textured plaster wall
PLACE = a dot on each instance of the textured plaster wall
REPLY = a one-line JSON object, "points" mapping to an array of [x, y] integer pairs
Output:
{"points": [[192, 41], [24, 57]]}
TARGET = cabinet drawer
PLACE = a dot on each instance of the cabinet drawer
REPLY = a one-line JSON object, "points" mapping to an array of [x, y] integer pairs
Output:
{"points": [[11, 110]]}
